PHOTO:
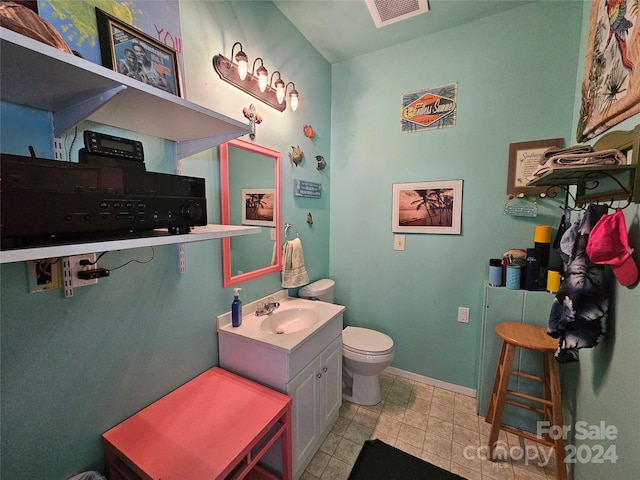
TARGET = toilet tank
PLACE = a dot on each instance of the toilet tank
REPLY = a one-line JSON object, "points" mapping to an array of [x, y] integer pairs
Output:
{"points": [[320, 289]]}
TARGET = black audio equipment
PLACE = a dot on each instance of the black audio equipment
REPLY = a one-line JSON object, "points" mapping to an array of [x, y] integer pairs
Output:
{"points": [[45, 201], [108, 145]]}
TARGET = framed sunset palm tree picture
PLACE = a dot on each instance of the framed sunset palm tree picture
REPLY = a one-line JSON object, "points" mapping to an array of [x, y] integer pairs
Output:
{"points": [[427, 207]]}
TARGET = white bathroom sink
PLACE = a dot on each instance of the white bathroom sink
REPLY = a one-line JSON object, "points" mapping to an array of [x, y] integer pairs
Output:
{"points": [[289, 321], [295, 322]]}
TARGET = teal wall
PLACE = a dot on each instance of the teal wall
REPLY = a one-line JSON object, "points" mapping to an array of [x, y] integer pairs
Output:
{"points": [[516, 76], [603, 385], [72, 368]]}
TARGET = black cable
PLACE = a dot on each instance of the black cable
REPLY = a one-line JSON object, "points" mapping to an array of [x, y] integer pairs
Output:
{"points": [[86, 262], [153, 254], [75, 135]]}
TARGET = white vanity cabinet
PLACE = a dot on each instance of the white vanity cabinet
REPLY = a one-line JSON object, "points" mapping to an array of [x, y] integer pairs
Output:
{"points": [[310, 373], [317, 395]]}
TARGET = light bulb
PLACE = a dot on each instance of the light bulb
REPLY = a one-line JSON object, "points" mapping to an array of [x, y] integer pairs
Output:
{"points": [[294, 99], [241, 58], [279, 90], [262, 78]]}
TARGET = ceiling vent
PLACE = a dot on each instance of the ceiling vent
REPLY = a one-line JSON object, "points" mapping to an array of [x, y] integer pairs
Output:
{"points": [[386, 12]]}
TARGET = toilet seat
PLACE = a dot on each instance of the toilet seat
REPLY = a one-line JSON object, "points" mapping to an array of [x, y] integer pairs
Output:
{"points": [[366, 342]]}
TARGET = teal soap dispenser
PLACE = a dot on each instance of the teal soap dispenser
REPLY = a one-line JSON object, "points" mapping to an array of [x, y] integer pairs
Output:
{"points": [[236, 309]]}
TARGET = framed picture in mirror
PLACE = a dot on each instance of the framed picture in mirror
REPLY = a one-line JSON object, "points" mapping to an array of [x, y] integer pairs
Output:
{"points": [[258, 206]]}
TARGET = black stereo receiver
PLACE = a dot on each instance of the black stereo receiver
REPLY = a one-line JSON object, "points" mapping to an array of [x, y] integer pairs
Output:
{"points": [[45, 201]]}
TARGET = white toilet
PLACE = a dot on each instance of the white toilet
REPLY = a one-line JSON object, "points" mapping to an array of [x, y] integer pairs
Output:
{"points": [[365, 352]]}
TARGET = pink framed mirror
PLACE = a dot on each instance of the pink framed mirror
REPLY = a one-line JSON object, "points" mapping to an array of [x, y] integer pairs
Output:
{"points": [[250, 195]]}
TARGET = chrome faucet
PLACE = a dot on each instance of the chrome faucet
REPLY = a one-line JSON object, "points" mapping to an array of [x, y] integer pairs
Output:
{"points": [[266, 308]]}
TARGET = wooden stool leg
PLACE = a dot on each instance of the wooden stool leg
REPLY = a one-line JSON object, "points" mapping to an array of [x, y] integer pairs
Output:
{"points": [[496, 382], [556, 413], [503, 374], [546, 392]]}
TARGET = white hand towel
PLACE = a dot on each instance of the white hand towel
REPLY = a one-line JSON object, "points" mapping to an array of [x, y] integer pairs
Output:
{"points": [[294, 273]]}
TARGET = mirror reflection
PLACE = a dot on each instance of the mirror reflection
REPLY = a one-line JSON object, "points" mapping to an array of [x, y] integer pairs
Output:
{"points": [[250, 195]]}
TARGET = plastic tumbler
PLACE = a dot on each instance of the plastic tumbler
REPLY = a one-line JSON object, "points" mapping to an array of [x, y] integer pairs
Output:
{"points": [[513, 277], [553, 280], [495, 272], [531, 269]]}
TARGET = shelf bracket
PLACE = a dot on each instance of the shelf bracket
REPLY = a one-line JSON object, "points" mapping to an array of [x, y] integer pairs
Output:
{"points": [[67, 278], [191, 147], [74, 114]]}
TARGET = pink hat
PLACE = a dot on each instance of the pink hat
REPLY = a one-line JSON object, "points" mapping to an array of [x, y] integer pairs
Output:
{"points": [[608, 244]]}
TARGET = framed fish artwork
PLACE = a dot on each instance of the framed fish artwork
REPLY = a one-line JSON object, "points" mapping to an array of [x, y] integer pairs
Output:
{"points": [[611, 85]]}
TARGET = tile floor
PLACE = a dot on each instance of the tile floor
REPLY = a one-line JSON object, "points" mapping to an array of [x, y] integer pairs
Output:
{"points": [[437, 425]]}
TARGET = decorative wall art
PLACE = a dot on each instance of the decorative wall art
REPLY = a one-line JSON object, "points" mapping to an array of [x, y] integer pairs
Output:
{"points": [[611, 85], [76, 22], [308, 132], [524, 158], [254, 118], [429, 109], [258, 206], [321, 163], [303, 188], [137, 55], [296, 155], [427, 207]]}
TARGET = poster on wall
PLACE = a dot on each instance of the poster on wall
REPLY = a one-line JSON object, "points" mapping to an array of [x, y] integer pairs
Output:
{"points": [[429, 109], [611, 85], [77, 23], [427, 207]]}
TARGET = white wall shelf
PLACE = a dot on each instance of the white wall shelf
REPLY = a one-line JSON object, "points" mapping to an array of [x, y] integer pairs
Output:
{"points": [[134, 240], [74, 89]]}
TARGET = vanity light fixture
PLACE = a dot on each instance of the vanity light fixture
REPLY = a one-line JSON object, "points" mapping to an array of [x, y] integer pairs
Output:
{"points": [[293, 96], [235, 72]]}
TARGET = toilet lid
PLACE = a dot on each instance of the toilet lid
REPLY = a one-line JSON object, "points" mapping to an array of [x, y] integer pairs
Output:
{"points": [[364, 340]]}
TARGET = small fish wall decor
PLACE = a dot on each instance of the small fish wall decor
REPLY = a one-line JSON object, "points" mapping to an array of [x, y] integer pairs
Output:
{"points": [[296, 155], [321, 163], [254, 118], [308, 132]]}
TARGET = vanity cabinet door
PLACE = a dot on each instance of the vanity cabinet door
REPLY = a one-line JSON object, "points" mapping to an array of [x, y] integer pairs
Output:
{"points": [[304, 391], [331, 390]]}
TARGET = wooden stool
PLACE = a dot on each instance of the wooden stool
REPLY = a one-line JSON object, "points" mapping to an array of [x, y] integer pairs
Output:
{"points": [[533, 338]]}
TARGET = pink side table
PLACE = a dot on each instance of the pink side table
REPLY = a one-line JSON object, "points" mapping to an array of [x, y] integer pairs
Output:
{"points": [[216, 426]]}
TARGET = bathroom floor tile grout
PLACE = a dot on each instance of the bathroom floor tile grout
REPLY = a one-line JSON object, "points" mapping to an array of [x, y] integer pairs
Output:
{"points": [[437, 425]]}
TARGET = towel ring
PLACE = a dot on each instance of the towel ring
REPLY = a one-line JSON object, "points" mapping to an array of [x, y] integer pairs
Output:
{"points": [[286, 229]]}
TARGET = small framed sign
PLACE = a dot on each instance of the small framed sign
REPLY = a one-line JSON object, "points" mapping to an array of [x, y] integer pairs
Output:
{"points": [[303, 188], [524, 159], [135, 54]]}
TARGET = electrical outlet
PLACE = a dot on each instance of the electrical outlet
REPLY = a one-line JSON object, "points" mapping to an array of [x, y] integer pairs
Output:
{"points": [[398, 242], [44, 275], [463, 314], [75, 267]]}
